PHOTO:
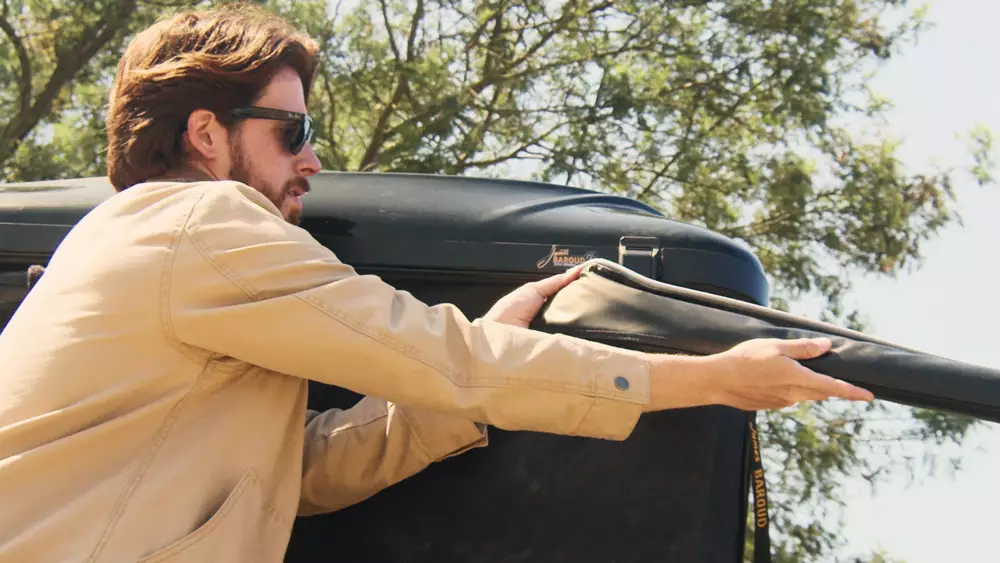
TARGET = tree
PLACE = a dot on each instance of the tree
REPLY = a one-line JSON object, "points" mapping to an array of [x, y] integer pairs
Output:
{"points": [[57, 59], [734, 115]]}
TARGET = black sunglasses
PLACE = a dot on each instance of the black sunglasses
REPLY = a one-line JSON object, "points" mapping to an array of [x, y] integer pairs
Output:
{"points": [[296, 136]]}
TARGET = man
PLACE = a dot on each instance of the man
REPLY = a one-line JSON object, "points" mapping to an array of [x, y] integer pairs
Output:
{"points": [[153, 392]]}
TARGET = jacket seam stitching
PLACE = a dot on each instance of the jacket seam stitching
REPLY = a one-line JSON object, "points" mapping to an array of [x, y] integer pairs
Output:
{"points": [[203, 250], [414, 426], [166, 287], [139, 472], [583, 418], [322, 437], [214, 522]]}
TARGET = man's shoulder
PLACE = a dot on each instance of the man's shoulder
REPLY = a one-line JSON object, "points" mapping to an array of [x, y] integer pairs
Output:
{"points": [[230, 203], [218, 216], [206, 193], [196, 203]]}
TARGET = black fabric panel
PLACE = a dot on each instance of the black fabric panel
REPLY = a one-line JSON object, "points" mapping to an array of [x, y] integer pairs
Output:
{"points": [[676, 490], [672, 492]]}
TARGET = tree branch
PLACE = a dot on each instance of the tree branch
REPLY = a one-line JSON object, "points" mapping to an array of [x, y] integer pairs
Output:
{"points": [[22, 57], [418, 15], [470, 43], [492, 45], [513, 154], [557, 26], [336, 153], [389, 31], [475, 139], [69, 64], [761, 226], [433, 113], [379, 135], [685, 142]]}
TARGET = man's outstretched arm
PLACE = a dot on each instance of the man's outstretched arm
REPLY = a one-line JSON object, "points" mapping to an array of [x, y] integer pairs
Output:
{"points": [[354, 453], [247, 285]]}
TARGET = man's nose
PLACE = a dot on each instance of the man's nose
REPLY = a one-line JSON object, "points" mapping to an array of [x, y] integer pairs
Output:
{"points": [[308, 163]]}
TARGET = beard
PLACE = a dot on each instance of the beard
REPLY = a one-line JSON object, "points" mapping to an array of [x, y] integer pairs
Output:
{"points": [[242, 171]]}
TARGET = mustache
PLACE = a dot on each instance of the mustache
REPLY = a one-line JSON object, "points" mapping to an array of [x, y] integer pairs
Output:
{"points": [[300, 182]]}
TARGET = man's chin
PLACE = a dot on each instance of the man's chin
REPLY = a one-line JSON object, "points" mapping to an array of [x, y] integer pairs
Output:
{"points": [[291, 208], [292, 214]]}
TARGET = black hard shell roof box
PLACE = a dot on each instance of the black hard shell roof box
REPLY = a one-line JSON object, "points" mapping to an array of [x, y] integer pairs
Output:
{"points": [[676, 490], [460, 227]]}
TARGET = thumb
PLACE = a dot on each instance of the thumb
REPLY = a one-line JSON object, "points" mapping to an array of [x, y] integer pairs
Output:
{"points": [[804, 348]]}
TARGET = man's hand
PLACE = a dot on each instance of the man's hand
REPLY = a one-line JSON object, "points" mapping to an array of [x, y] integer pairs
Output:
{"points": [[520, 306], [758, 374]]}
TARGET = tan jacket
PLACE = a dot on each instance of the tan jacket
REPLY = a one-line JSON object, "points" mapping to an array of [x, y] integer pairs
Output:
{"points": [[153, 384]]}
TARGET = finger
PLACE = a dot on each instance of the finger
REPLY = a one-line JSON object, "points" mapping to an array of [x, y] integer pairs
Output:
{"points": [[804, 348], [834, 387], [551, 285], [573, 273]]}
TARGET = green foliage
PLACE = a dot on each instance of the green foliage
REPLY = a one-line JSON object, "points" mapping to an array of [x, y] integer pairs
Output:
{"points": [[981, 145], [57, 60], [742, 116]]}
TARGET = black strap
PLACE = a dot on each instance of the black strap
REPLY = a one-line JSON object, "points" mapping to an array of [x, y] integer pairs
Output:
{"points": [[761, 520]]}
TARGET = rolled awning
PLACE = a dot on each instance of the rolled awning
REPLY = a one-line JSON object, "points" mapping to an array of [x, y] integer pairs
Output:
{"points": [[610, 301]]}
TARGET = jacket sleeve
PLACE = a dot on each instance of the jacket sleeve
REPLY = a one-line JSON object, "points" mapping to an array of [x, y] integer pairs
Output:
{"points": [[354, 453], [244, 283]]}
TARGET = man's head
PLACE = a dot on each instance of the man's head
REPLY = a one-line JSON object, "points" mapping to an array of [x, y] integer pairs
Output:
{"points": [[221, 94]]}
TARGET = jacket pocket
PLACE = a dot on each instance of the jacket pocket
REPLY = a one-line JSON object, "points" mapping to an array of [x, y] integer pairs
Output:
{"points": [[240, 530]]}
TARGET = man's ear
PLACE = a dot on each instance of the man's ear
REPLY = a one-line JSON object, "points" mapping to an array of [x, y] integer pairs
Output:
{"points": [[205, 135]]}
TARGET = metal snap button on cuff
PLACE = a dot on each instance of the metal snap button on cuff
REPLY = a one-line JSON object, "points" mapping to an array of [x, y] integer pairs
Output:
{"points": [[621, 383]]}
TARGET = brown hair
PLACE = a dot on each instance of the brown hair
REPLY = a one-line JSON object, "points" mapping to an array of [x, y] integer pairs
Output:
{"points": [[215, 60]]}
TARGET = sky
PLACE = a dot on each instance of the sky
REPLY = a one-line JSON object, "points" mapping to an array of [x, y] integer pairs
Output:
{"points": [[943, 85]]}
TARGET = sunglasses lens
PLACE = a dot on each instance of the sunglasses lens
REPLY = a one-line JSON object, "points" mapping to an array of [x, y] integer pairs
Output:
{"points": [[299, 134], [307, 131], [293, 137]]}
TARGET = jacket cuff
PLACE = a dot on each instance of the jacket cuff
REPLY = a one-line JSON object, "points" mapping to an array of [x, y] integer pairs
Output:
{"points": [[621, 393], [442, 436]]}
